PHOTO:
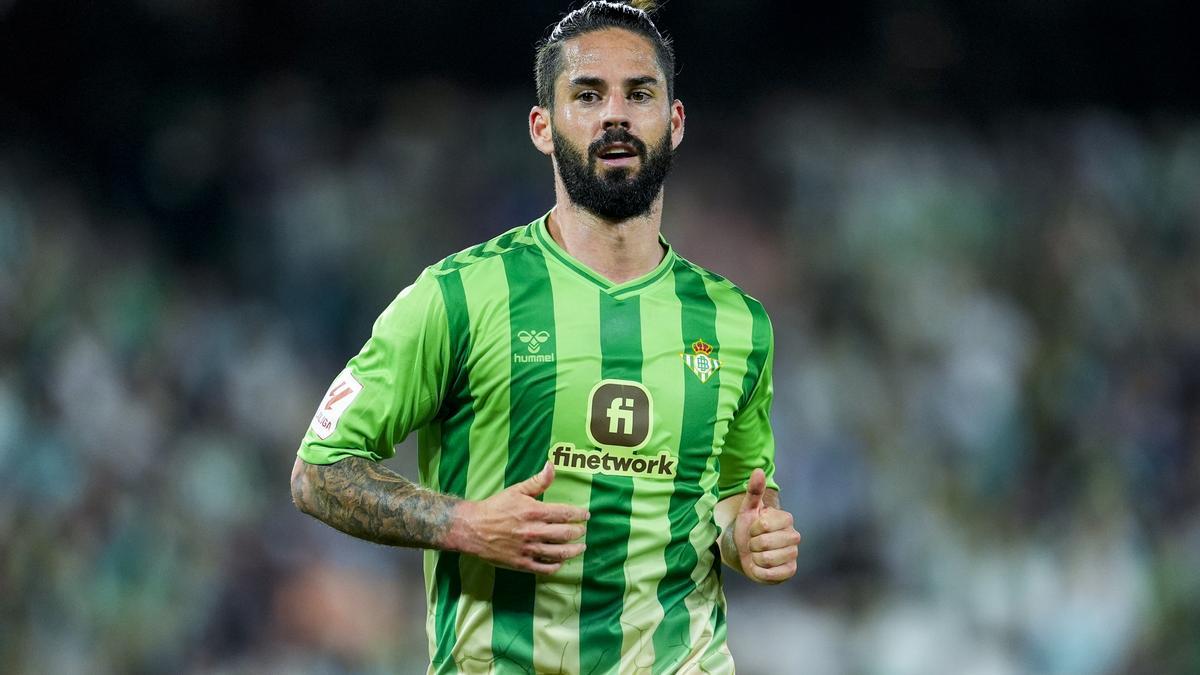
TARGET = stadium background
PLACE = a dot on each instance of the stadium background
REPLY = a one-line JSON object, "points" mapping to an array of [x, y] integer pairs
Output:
{"points": [[976, 225]]}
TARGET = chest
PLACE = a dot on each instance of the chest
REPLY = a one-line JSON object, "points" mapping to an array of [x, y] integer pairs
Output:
{"points": [[641, 377]]}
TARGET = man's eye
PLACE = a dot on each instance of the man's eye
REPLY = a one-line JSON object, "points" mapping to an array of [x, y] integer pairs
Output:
{"points": [[640, 96], [589, 97]]}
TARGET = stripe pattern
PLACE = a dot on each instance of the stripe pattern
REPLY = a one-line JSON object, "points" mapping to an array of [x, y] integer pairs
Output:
{"points": [[646, 593]]}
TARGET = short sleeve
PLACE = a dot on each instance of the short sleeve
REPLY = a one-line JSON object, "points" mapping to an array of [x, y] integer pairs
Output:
{"points": [[394, 385], [750, 442]]}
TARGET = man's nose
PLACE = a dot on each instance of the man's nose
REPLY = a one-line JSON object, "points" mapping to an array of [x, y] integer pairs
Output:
{"points": [[616, 113]]}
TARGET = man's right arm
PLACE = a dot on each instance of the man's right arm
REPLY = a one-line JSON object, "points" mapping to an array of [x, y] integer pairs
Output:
{"points": [[367, 500], [511, 528]]}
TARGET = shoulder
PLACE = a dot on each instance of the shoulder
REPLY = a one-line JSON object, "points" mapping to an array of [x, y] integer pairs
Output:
{"points": [[440, 284], [514, 240], [722, 291]]}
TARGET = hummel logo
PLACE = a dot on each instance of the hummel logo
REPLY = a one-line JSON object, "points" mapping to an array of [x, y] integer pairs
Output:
{"points": [[533, 340]]}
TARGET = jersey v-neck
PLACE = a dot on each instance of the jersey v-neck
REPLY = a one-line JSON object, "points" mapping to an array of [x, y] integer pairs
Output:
{"points": [[618, 291]]}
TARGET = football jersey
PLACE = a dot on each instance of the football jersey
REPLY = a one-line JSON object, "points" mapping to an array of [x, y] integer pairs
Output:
{"points": [[652, 399]]}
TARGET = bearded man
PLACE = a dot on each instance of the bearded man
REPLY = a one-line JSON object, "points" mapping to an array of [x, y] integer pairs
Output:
{"points": [[592, 410]]}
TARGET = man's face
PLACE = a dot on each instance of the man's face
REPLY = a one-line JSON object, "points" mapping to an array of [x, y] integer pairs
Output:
{"points": [[613, 127]]}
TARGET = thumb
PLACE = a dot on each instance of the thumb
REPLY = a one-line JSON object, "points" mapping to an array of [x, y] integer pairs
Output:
{"points": [[537, 483], [754, 491]]}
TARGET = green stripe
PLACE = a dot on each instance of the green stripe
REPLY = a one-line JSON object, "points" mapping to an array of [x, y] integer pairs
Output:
{"points": [[493, 247], [695, 448], [716, 623], [608, 531], [452, 466], [577, 339], [760, 339], [531, 415]]}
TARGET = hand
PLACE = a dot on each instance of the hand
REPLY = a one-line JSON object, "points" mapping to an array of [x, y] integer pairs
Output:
{"points": [[512, 529], [765, 540]]}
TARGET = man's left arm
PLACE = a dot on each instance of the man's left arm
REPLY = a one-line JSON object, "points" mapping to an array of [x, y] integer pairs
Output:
{"points": [[757, 537]]}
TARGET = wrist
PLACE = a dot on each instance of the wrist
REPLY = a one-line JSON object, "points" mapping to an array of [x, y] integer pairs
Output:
{"points": [[459, 537], [727, 544]]}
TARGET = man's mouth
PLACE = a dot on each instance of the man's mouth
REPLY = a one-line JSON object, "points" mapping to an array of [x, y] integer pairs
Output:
{"points": [[617, 154]]}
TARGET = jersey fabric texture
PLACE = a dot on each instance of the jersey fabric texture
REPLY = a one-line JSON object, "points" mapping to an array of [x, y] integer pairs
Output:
{"points": [[651, 397]]}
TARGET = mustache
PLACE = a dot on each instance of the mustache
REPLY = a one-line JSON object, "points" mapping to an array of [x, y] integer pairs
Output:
{"points": [[616, 135]]}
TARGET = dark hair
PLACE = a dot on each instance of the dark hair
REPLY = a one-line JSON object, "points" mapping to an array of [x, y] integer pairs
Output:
{"points": [[594, 16]]}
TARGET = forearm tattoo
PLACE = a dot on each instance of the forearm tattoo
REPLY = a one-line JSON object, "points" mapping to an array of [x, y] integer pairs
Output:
{"points": [[369, 501]]}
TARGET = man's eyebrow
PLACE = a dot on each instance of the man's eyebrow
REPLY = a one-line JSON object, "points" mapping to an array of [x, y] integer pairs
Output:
{"points": [[587, 81], [592, 81]]}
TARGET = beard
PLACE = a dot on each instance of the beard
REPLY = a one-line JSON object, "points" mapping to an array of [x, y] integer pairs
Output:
{"points": [[613, 194]]}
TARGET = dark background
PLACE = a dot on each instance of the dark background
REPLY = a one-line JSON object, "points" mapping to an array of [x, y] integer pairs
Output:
{"points": [[87, 81], [976, 226]]}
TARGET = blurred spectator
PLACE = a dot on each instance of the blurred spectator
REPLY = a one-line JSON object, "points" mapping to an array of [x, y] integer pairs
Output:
{"points": [[988, 377]]}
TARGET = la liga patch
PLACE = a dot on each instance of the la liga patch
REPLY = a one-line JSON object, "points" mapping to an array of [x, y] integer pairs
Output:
{"points": [[339, 397]]}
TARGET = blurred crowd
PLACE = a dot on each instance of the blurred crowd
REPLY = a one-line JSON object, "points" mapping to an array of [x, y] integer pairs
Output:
{"points": [[987, 377]]}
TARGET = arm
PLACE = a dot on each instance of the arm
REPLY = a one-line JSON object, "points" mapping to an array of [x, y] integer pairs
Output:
{"points": [[757, 537], [367, 500], [511, 528]]}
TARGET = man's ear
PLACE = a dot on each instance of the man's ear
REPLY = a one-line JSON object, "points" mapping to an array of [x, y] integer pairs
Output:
{"points": [[677, 123], [540, 130]]}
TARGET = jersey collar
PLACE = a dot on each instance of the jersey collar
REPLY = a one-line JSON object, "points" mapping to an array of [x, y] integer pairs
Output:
{"points": [[542, 235]]}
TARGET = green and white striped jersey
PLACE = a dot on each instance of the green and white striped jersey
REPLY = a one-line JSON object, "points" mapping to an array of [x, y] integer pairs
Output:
{"points": [[651, 397]]}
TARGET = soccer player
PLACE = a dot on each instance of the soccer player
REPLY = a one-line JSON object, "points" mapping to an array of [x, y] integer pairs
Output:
{"points": [[592, 410]]}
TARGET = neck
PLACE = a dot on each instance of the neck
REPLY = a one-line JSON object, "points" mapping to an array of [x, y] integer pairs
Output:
{"points": [[617, 250]]}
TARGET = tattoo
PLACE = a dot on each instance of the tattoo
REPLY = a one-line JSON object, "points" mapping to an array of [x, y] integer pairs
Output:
{"points": [[729, 550], [771, 498], [369, 501]]}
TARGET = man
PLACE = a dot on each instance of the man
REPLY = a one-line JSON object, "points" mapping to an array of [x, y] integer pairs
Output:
{"points": [[592, 409]]}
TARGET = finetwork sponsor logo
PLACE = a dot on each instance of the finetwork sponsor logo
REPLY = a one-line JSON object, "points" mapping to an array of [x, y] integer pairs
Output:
{"points": [[620, 414], [566, 457]]}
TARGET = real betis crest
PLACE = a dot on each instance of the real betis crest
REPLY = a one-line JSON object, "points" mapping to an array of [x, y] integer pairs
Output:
{"points": [[701, 361]]}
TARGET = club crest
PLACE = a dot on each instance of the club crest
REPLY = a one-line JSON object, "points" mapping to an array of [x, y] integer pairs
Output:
{"points": [[700, 361]]}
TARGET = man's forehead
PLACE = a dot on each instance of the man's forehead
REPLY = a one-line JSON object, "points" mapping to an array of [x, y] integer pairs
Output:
{"points": [[632, 55]]}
